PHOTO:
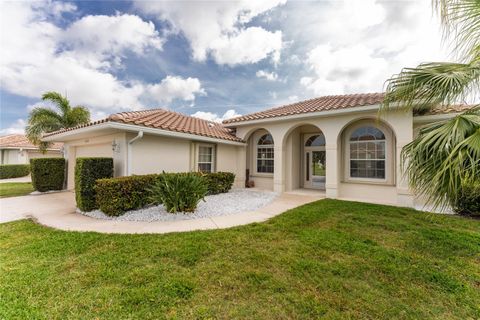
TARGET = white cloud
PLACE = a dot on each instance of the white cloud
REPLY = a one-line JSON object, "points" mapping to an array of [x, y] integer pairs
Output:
{"points": [[270, 76], [293, 98], [98, 40], [361, 44], [44, 57], [172, 88], [218, 28], [18, 127], [210, 116]]}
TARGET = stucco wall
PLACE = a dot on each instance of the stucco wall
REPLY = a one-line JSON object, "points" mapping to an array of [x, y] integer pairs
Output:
{"points": [[286, 176], [154, 154]]}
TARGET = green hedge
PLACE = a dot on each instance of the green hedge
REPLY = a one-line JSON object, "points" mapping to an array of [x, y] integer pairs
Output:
{"points": [[468, 202], [219, 182], [8, 171], [87, 171], [117, 195], [47, 173]]}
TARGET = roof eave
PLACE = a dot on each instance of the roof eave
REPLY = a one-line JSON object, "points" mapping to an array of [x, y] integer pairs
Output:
{"points": [[136, 128], [306, 115]]}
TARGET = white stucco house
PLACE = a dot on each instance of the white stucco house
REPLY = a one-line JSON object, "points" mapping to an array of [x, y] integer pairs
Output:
{"points": [[334, 144], [16, 149]]}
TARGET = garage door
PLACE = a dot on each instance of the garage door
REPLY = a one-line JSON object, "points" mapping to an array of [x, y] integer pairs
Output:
{"points": [[97, 150]]}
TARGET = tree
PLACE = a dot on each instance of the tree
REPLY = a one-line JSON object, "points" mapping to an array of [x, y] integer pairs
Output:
{"points": [[447, 153], [42, 120]]}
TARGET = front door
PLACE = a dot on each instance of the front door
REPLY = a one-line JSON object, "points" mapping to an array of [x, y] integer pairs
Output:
{"points": [[314, 166]]}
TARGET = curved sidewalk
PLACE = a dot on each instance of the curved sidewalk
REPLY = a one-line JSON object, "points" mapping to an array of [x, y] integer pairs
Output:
{"points": [[57, 210]]}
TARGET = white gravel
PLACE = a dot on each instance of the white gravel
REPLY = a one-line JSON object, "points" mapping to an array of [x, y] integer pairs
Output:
{"points": [[235, 201]]}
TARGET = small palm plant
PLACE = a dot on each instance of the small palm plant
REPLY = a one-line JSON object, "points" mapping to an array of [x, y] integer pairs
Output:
{"points": [[447, 154], [42, 120], [179, 192]]}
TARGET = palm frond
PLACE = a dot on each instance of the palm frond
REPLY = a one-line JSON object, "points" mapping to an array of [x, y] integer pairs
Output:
{"points": [[60, 101], [441, 156], [78, 115], [432, 84], [461, 19]]}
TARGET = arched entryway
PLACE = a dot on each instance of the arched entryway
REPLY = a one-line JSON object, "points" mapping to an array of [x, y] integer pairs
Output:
{"points": [[314, 169], [305, 158]]}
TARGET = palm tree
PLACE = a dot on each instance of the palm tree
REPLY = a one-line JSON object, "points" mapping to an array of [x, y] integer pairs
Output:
{"points": [[444, 154], [42, 120]]}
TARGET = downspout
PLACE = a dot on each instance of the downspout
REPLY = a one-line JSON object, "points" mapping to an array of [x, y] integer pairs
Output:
{"points": [[129, 151]]}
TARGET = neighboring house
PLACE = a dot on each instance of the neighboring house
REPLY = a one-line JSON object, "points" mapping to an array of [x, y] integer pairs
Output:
{"points": [[16, 149], [333, 143]]}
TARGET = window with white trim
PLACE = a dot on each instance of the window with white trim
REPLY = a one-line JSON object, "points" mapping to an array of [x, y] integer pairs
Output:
{"points": [[265, 154], [205, 158], [367, 149]]}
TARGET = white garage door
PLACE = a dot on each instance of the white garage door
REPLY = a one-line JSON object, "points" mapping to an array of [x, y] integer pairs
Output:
{"points": [[97, 150]]}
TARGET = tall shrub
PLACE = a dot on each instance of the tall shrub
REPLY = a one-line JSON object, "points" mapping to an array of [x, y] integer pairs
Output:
{"points": [[468, 200], [117, 195], [8, 171], [87, 171], [218, 182], [47, 173]]}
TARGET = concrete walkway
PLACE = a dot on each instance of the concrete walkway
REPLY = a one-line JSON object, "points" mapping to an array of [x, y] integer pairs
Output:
{"points": [[57, 210], [21, 179]]}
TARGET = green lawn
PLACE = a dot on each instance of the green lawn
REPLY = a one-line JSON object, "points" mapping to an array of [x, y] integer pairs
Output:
{"points": [[332, 259], [15, 189]]}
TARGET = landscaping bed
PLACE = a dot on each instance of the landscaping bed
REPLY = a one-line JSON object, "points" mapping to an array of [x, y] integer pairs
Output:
{"points": [[235, 201]]}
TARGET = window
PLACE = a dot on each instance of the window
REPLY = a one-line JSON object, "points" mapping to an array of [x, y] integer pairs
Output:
{"points": [[205, 159], [315, 141], [367, 153], [265, 154]]}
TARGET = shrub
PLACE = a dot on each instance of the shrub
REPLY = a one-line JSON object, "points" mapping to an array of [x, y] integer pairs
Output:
{"points": [[47, 173], [87, 171], [8, 171], [179, 192], [117, 195], [468, 201], [219, 182]]}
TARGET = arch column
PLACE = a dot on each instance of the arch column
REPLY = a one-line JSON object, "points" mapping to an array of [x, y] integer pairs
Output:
{"points": [[331, 175]]}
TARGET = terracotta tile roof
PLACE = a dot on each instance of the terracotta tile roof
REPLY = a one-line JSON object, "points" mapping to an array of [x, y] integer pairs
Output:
{"points": [[20, 141], [314, 105], [450, 109], [166, 120]]}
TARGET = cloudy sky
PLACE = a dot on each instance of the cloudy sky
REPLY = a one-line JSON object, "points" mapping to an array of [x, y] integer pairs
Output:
{"points": [[210, 59]]}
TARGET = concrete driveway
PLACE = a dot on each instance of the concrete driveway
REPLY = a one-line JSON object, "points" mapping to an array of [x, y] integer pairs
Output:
{"points": [[57, 210], [37, 206], [21, 179]]}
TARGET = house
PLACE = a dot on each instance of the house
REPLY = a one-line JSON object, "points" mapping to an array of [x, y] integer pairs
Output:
{"points": [[335, 144], [17, 149]]}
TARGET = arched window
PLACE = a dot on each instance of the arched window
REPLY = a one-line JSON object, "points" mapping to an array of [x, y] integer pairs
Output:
{"points": [[265, 154], [367, 153], [315, 141]]}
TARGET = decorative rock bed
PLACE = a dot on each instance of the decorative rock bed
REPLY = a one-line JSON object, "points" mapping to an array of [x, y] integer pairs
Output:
{"points": [[234, 202]]}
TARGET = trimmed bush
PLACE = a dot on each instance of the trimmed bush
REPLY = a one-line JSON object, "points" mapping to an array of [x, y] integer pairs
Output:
{"points": [[219, 182], [47, 173], [117, 195], [179, 192], [8, 171], [468, 202], [87, 171]]}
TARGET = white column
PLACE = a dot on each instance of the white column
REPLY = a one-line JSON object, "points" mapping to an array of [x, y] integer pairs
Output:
{"points": [[240, 176], [405, 197], [332, 168], [279, 167]]}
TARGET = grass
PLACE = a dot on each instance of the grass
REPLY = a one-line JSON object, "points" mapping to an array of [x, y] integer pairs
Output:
{"points": [[330, 259], [15, 189]]}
